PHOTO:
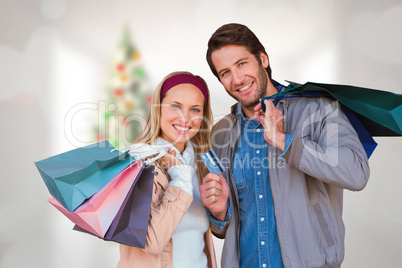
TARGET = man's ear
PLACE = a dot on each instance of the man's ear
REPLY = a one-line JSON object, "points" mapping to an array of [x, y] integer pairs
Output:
{"points": [[264, 60]]}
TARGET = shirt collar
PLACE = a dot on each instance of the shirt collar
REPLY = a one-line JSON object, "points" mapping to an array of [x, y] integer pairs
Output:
{"points": [[244, 121]]}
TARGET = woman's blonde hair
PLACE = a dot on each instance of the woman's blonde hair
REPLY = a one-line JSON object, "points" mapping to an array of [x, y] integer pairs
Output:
{"points": [[201, 142]]}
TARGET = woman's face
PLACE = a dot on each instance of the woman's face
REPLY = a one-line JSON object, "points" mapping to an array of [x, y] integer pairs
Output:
{"points": [[181, 114]]}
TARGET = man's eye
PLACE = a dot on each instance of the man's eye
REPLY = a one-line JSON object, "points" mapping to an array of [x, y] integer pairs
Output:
{"points": [[225, 73], [242, 63]]}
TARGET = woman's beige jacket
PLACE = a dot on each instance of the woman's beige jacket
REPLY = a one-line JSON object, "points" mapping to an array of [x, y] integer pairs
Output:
{"points": [[169, 204]]}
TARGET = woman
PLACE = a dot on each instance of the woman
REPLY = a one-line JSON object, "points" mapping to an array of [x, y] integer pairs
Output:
{"points": [[178, 231]]}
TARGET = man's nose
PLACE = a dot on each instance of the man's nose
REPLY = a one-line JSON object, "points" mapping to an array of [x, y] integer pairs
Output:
{"points": [[238, 78]]}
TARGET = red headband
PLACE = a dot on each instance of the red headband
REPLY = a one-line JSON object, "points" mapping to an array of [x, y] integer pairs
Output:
{"points": [[184, 79]]}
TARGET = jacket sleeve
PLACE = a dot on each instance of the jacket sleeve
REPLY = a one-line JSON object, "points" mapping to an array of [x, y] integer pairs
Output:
{"points": [[169, 204], [328, 148], [223, 141]]}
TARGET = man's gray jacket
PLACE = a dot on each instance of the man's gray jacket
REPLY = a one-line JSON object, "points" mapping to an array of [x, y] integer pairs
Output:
{"points": [[307, 185]]}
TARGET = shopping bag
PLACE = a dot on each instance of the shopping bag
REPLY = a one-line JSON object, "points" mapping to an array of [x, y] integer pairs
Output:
{"points": [[131, 222], [365, 138], [74, 176], [379, 111], [371, 112], [96, 214]]}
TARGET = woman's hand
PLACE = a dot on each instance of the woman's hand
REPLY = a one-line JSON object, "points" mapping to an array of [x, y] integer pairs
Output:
{"points": [[170, 159]]}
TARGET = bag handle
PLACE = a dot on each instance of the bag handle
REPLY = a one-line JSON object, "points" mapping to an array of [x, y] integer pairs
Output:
{"points": [[140, 151]]}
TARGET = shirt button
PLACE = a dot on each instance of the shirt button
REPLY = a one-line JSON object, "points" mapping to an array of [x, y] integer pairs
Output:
{"points": [[262, 243], [258, 173], [262, 219], [260, 196], [258, 151], [264, 265], [258, 130]]}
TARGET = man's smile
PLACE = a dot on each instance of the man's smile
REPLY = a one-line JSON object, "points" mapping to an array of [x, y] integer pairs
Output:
{"points": [[245, 87]]}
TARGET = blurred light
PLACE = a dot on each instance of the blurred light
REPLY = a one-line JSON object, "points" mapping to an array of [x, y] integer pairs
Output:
{"points": [[321, 66], [10, 70], [378, 34], [73, 83], [28, 253], [53, 9]]}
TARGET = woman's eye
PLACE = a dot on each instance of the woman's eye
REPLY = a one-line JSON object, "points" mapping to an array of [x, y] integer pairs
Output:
{"points": [[195, 110], [174, 106]]}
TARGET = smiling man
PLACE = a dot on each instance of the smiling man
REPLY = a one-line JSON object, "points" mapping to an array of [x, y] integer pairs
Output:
{"points": [[235, 67], [286, 168]]}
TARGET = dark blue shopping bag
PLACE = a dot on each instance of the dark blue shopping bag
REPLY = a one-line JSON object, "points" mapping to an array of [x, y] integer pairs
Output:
{"points": [[130, 225]]}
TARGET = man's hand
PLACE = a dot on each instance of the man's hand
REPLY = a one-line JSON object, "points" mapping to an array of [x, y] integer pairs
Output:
{"points": [[272, 121], [214, 193]]}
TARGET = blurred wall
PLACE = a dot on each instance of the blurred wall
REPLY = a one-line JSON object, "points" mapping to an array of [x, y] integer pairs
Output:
{"points": [[55, 54]]}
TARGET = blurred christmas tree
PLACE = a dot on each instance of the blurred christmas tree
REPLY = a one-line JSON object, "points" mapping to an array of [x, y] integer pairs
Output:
{"points": [[124, 113]]}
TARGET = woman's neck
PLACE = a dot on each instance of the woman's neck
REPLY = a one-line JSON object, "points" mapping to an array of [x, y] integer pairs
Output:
{"points": [[181, 147]]}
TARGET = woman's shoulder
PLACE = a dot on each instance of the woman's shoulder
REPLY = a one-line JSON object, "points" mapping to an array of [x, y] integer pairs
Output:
{"points": [[160, 176]]}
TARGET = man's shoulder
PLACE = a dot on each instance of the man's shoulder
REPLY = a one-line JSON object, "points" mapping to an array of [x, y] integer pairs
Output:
{"points": [[227, 122], [310, 103], [222, 133]]}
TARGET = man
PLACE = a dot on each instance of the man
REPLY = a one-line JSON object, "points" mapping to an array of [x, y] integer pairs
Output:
{"points": [[286, 168]]}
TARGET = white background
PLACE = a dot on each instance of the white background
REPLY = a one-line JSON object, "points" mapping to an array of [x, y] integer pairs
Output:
{"points": [[56, 54]]}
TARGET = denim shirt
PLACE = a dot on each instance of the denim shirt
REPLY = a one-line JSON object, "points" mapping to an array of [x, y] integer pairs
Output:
{"points": [[259, 243]]}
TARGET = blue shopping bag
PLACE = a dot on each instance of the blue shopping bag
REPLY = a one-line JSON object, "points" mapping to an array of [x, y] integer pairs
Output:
{"points": [[74, 176]]}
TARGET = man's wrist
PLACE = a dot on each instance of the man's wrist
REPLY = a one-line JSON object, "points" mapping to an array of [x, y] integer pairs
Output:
{"points": [[220, 216], [281, 141], [221, 223]]}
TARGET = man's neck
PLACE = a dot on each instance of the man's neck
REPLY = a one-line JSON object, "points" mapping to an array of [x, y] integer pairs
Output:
{"points": [[271, 89], [248, 111]]}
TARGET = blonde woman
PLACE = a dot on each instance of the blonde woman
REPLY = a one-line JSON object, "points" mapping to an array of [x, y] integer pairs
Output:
{"points": [[178, 232]]}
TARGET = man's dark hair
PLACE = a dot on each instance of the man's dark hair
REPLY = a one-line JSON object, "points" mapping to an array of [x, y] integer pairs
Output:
{"points": [[235, 34]]}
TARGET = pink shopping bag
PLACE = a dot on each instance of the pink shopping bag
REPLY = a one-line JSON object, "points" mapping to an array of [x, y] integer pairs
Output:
{"points": [[96, 214], [130, 225]]}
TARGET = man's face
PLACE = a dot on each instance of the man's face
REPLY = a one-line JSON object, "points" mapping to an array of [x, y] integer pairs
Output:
{"points": [[241, 75]]}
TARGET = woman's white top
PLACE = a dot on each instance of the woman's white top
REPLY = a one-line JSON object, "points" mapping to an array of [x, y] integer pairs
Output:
{"points": [[188, 238]]}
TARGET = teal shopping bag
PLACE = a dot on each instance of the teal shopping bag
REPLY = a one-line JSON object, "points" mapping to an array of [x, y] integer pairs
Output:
{"points": [[371, 112], [379, 111], [74, 176]]}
